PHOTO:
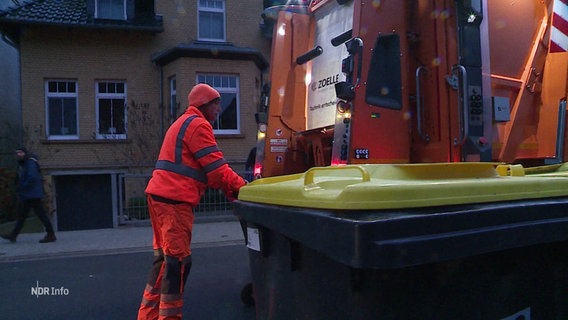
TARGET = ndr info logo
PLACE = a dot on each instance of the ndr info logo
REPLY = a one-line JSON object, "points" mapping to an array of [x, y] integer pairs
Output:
{"points": [[49, 291]]}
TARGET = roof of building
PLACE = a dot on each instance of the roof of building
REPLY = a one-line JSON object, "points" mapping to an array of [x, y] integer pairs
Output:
{"points": [[75, 14], [208, 50], [71, 13]]}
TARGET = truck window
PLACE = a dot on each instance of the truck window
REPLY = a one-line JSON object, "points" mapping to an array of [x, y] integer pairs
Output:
{"points": [[384, 80]]}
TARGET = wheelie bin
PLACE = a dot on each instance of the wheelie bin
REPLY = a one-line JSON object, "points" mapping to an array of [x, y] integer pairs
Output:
{"points": [[425, 241]]}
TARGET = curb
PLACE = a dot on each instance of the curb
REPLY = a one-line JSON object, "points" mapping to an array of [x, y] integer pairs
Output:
{"points": [[104, 252]]}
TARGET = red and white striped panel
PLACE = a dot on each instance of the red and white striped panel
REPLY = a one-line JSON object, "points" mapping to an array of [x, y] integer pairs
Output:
{"points": [[559, 31]]}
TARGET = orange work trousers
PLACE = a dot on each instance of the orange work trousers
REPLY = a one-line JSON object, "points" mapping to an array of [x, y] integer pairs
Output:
{"points": [[172, 224]]}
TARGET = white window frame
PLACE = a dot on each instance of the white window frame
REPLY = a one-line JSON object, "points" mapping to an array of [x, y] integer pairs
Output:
{"points": [[97, 13], [173, 99], [111, 95], [66, 94], [211, 9], [222, 83]]}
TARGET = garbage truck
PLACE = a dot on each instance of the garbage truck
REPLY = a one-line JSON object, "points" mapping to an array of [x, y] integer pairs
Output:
{"points": [[410, 162], [414, 81]]}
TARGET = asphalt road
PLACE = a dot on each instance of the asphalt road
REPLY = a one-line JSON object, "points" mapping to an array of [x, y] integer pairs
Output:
{"points": [[110, 286]]}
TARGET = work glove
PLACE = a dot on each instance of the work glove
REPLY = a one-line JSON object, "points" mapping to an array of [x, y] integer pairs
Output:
{"points": [[234, 195]]}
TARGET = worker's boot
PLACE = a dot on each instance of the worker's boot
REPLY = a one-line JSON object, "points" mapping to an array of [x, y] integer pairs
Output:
{"points": [[9, 236], [50, 237]]}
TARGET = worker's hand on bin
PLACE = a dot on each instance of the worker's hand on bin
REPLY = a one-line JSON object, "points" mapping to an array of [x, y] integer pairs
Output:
{"points": [[234, 194]]}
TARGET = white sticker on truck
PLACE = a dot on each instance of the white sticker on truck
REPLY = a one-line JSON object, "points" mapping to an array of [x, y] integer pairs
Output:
{"points": [[331, 20]]}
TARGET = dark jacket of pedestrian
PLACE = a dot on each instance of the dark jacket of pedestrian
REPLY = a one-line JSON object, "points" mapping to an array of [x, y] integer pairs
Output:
{"points": [[30, 181]]}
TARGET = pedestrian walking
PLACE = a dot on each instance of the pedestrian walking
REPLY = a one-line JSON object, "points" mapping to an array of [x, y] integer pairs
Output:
{"points": [[30, 196], [188, 163]]}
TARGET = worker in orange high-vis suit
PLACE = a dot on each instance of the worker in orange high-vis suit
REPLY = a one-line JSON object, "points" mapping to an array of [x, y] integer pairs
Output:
{"points": [[188, 163]]}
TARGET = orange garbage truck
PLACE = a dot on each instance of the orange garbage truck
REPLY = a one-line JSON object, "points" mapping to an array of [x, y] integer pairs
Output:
{"points": [[414, 81], [410, 162]]}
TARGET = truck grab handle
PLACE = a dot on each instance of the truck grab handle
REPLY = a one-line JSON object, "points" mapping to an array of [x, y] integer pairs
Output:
{"points": [[462, 95], [419, 107], [355, 46], [315, 52], [342, 38]]}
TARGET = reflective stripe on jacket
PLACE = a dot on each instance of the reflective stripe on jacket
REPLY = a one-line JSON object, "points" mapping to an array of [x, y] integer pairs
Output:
{"points": [[190, 160]]}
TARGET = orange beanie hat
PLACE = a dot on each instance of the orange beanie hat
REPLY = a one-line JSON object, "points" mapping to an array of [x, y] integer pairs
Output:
{"points": [[202, 94]]}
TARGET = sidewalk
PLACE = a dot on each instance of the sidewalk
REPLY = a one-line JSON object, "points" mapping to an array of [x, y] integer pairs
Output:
{"points": [[127, 238]]}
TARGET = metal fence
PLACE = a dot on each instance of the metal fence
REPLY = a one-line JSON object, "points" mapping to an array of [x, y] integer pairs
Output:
{"points": [[133, 206]]}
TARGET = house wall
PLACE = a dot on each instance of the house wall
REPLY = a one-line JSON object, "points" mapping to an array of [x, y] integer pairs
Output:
{"points": [[91, 55], [86, 57], [243, 19]]}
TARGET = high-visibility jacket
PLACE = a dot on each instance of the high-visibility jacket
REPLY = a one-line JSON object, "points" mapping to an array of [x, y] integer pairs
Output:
{"points": [[190, 161]]}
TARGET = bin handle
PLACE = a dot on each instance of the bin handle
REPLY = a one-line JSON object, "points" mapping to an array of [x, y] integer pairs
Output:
{"points": [[309, 176]]}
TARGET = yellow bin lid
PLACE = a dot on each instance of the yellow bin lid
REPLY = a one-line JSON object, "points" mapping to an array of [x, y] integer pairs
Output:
{"points": [[396, 186]]}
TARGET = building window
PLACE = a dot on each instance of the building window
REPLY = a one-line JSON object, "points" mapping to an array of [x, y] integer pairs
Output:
{"points": [[173, 100], [110, 9], [61, 104], [111, 110], [211, 17], [228, 120]]}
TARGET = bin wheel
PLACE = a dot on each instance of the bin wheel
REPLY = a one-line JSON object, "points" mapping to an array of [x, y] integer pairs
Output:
{"points": [[247, 296]]}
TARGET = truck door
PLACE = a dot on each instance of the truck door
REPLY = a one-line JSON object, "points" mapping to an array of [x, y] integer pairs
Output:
{"points": [[444, 81]]}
